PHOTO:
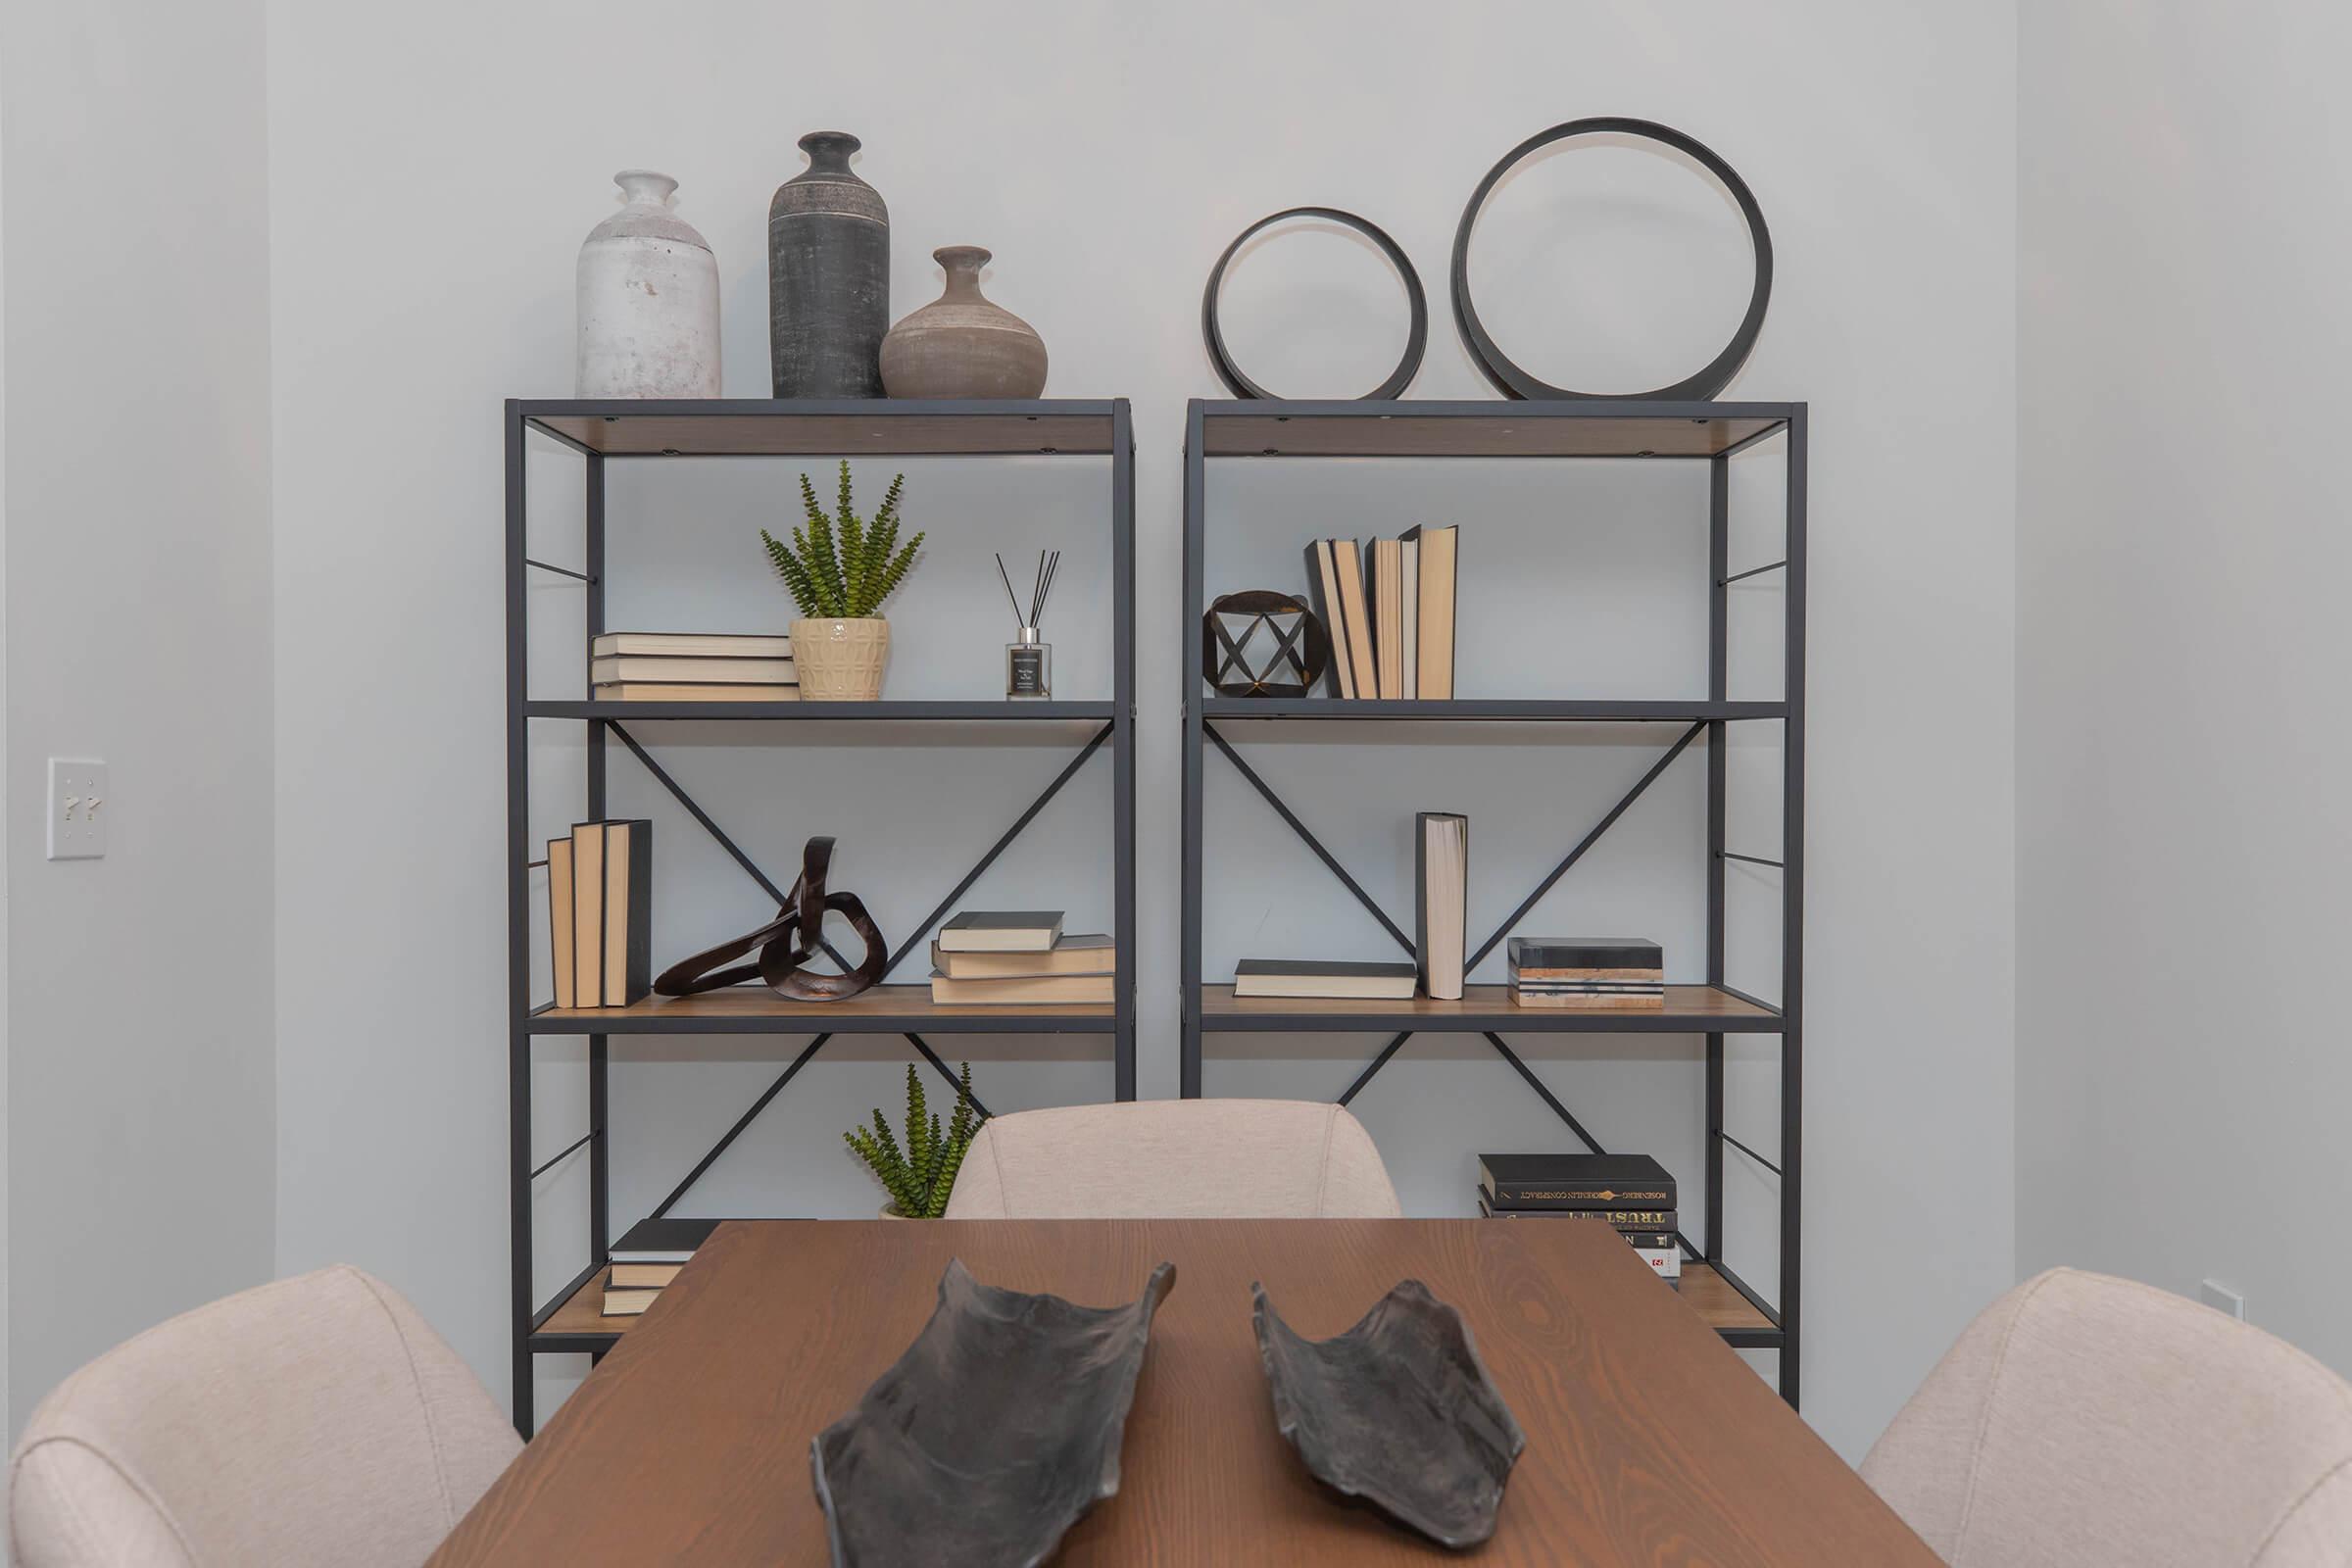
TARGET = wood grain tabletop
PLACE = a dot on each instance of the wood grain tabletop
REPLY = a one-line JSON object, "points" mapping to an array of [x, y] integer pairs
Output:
{"points": [[1648, 1442]]}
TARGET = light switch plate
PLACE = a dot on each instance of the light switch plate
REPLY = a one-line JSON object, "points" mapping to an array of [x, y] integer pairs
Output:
{"points": [[2222, 1299], [78, 809]]}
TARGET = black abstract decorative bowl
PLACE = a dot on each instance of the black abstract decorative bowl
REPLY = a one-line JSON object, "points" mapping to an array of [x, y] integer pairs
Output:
{"points": [[1398, 1412], [991, 1435]]}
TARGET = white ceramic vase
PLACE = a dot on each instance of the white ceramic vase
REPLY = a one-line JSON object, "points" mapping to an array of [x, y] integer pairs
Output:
{"points": [[841, 661], [648, 300]]}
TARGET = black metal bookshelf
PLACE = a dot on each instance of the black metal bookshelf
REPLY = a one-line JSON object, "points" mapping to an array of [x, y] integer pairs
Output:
{"points": [[602, 432], [1600, 430]]}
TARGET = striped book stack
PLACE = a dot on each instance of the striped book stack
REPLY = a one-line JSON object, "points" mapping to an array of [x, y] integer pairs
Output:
{"points": [[675, 666], [1598, 974]]}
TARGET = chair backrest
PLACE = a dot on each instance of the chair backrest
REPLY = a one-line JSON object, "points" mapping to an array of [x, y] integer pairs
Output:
{"points": [[2082, 1419], [1174, 1160], [314, 1420]]}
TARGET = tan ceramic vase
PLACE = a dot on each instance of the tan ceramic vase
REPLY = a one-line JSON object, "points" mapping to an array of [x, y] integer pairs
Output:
{"points": [[959, 345], [841, 661]]}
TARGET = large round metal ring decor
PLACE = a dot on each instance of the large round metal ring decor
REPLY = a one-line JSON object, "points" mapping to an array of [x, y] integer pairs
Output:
{"points": [[1416, 337], [1510, 378]]}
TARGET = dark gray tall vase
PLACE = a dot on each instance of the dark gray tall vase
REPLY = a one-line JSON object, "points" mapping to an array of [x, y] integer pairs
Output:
{"points": [[828, 276]]}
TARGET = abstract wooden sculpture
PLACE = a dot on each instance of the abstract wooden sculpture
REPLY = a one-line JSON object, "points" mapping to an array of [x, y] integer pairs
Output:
{"points": [[787, 943]]}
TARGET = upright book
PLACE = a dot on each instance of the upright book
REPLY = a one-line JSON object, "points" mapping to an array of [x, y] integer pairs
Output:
{"points": [[1441, 892], [1348, 563], [1323, 588], [1388, 615], [560, 929], [628, 966], [588, 913], [1436, 565]]}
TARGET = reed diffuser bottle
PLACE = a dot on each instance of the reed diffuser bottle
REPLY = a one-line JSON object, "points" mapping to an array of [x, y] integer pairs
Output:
{"points": [[1029, 660]]}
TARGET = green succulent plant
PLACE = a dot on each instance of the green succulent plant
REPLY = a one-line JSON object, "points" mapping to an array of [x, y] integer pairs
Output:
{"points": [[842, 568], [920, 1175]]}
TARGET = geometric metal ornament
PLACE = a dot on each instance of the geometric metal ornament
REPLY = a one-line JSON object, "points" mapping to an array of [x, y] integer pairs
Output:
{"points": [[1260, 642]]}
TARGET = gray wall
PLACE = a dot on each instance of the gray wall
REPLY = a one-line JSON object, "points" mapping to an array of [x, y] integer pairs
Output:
{"points": [[422, 270], [2182, 843], [140, 1147]]}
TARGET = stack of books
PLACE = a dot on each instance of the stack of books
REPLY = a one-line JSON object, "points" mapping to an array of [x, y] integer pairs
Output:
{"points": [[647, 1258], [1389, 608], [600, 890], [1629, 1193], [1594, 974], [1320, 978], [1018, 957], [675, 666]]}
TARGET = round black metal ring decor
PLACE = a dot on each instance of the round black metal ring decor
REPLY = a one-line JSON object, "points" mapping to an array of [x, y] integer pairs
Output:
{"points": [[1416, 337], [1288, 663], [1515, 382]]}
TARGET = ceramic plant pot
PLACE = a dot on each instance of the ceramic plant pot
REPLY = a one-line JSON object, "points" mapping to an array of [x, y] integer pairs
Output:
{"points": [[648, 300], [841, 661], [828, 276], [962, 346]]}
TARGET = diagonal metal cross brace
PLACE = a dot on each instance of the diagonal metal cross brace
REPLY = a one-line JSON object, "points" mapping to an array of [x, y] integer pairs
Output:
{"points": [[1313, 842], [736, 1131], [990, 859], [1550, 1099], [1583, 844]]}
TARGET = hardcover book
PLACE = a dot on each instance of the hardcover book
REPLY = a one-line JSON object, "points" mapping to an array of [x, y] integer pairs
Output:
{"points": [[1323, 589], [1575, 1181], [1037, 990], [1598, 958], [1348, 565], [626, 1303], [661, 1241], [1089, 953], [1314, 977], [1001, 931], [1388, 615], [628, 964], [1657, 1219], [1441, 890], [1433, 617], [587, 913], [691, 644], [560, 929], [639, 691], [673, 668]]}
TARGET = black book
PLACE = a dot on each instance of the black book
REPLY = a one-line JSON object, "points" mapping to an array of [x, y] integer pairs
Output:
{"points": [[661, 1241], [1323, 977], [1585, 952], [628, 961], [1575, 1181]]}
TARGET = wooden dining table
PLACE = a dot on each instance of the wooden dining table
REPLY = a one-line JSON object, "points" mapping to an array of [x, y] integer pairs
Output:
{"points": [[1648, 1440]]}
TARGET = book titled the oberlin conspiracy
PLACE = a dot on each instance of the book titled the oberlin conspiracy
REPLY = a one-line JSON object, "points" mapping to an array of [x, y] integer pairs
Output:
{"points": [[1632, 1194]]}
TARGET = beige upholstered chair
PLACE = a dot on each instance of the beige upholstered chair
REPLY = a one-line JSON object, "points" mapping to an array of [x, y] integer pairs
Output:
{"points": [[2087, 1420], [317, 1420], [1174, 1160]]}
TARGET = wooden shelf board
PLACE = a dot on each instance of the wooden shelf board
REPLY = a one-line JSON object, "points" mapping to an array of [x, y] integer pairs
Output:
{"points": [[1460, 708], [690, 427], [579, 1323], [1689, 1009], [986, 712], [1718, 1306], [885, 1009], [1585, 428], [581, 1317]]}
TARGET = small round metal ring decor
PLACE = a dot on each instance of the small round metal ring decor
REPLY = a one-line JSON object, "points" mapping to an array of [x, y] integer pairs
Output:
{"points": [[1515, 382], [1416, 337]]}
